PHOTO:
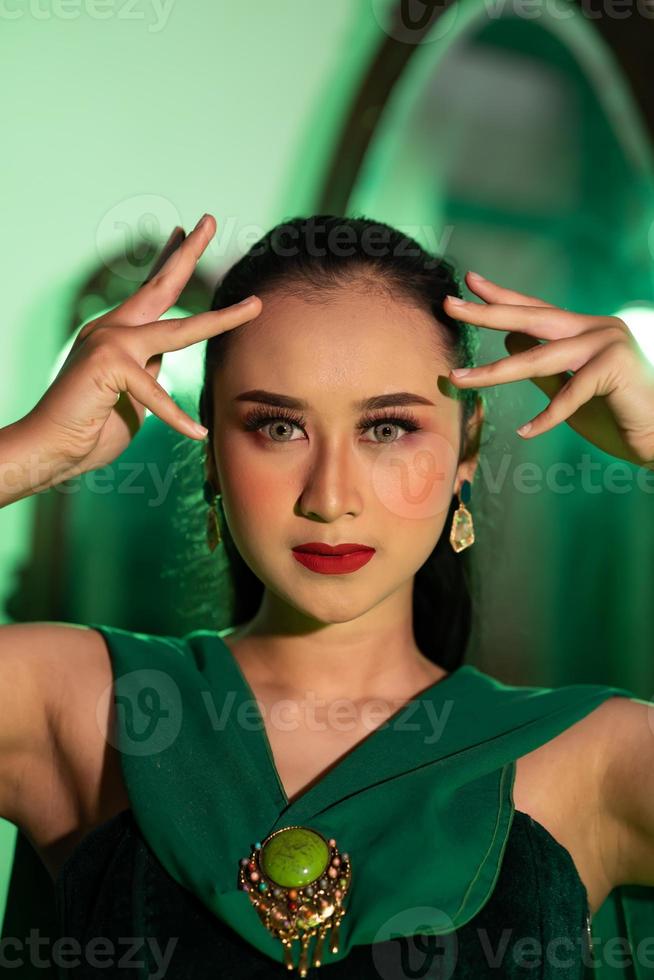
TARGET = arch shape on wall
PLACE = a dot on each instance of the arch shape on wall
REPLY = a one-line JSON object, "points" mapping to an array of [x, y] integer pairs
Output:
{"points": [[610, 50]]}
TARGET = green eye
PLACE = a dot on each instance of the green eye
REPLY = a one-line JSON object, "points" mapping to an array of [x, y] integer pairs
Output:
{"points": [[260, 417]]}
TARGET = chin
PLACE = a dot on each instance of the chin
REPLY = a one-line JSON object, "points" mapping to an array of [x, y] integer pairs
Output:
{"points": [[342, 609]]}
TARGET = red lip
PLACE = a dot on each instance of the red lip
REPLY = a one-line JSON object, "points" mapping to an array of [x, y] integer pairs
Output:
{"points": [[320, 548], [334, 564]]}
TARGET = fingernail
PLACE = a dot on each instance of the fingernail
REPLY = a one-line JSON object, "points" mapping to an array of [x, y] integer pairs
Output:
{"points": [[475, 275], [459, 372], [202, 222], [200, 430], [524, 429], [455, 300], [244, 302]]}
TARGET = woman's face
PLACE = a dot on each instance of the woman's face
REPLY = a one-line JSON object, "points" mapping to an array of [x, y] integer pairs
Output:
{"points": [[338, 472]]}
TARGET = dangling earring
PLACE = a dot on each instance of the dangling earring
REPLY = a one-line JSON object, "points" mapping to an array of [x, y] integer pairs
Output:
{"points": [[213, 529], [462, 532]]}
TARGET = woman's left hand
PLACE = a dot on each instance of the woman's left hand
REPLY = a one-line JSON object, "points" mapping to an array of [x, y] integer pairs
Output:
{"points": [[609, 399]]}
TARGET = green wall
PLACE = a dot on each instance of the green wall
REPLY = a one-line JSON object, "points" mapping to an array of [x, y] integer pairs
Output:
{"points": [[118, 123]]}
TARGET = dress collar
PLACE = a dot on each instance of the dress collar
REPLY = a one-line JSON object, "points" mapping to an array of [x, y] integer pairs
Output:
{"points": [[423, 805]]}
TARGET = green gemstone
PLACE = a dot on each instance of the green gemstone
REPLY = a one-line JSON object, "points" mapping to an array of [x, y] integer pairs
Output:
{"points": [[294, 857]]}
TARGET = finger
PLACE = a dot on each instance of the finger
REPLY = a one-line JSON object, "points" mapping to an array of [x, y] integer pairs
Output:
{"points": [[142, 386], [173, 242], [493, 293], [515, 343], [156, 296], [548, 323], [176, 333], [575, 393], [540, 360]]}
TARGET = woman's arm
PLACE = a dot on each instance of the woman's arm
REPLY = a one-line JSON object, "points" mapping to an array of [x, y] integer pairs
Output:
{"points": [[627, 791], [23, 715], [54, 726], [26, 466]]}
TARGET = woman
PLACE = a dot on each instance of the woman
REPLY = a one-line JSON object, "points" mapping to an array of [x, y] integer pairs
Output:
{"points": [[327, 785]]}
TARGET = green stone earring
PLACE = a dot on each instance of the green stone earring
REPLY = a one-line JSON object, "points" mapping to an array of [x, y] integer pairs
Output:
{"points": [[462, 532], [297, 880]]}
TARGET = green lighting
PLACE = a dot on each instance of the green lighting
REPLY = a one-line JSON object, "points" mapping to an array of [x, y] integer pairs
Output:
{"points": [[639, 317]]}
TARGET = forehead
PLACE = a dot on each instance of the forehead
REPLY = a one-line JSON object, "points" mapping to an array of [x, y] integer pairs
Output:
{"points": [[348, 340]]}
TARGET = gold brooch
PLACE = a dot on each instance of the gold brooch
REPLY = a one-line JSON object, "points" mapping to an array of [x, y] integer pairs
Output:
{"points": [[297, 880]]}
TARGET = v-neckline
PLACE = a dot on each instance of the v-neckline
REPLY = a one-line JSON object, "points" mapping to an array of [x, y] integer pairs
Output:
{"points": [[261, 747]]}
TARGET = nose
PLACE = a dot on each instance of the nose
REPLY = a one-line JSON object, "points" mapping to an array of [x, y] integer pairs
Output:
{"points": [[333, 484]]}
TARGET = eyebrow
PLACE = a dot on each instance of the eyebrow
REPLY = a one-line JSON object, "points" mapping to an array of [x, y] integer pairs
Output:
{"points": [[392, 400]]}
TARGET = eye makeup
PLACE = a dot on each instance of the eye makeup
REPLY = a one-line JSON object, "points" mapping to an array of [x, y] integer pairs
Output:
{"points": [[258, 417]]}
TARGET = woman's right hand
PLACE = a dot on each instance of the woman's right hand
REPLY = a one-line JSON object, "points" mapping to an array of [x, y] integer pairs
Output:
{"points": [[96, 403]]}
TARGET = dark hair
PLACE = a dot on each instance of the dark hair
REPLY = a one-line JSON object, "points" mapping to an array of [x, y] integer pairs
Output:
{"points": [[309, 256]]}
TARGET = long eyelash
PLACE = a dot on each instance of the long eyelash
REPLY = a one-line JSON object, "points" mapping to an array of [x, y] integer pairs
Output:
{"points": [[407, 420], [258, 417]]}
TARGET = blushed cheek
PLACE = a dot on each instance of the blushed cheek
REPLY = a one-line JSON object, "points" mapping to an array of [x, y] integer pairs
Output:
{"points": [[255, 487], [257, 490], [413, 477]]}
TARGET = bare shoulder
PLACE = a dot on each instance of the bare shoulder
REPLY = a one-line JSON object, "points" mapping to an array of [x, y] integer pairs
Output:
{"points": [[66, 778], [582, 743], [568, 785], [627, 789], [30, 672]]}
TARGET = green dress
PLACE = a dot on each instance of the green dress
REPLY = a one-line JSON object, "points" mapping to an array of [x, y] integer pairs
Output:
{"points": [[422, 807]]}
